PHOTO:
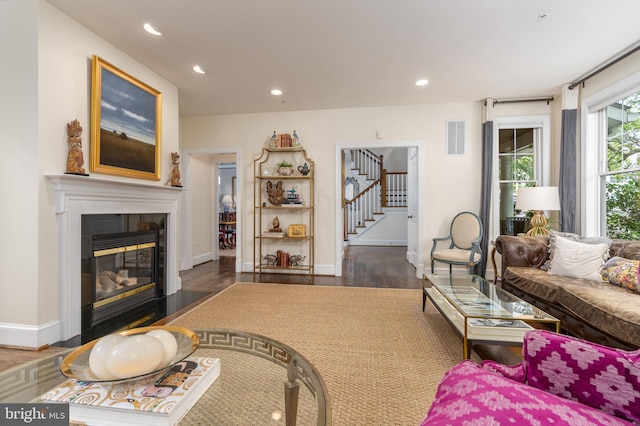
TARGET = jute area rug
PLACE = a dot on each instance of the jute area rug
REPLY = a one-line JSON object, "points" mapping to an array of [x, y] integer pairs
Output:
{"points": [[380, 356]]}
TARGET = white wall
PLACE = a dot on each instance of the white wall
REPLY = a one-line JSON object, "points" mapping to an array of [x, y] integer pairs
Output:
{"points": [[19, 173], [48, 85], [321, 130], [388, 231], [395, 159], [204, 210]]}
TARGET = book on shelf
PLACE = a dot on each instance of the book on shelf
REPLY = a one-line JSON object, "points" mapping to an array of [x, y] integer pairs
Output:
{"points": [[150, 401], [282, 258], [273, 234]]}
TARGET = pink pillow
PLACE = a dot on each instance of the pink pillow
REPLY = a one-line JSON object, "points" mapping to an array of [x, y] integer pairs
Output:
{"points": [[604, 378]]}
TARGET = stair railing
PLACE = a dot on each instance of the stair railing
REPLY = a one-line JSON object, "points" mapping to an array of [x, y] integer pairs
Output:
{"points": [[389, 189], [368, 163], [362, 208], [395, 189]]}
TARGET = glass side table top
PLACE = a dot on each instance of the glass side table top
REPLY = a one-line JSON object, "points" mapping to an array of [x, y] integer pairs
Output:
{"points": [[261, 380]]}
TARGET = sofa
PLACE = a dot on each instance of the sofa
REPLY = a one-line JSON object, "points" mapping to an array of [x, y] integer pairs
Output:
{"points": [[562, 380], [598, 310]]}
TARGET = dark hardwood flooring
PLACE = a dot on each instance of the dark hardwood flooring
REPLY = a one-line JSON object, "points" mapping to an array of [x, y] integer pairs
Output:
{"points": [[363, 266]]}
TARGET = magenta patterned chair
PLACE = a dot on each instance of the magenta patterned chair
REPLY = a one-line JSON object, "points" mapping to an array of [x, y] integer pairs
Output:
{"points": [[561, 381]]}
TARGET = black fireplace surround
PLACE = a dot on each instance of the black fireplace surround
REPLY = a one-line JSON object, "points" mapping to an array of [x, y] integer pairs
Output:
{"points": [[123, 272]]}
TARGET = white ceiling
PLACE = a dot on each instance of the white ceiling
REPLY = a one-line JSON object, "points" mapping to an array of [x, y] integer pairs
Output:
{"points": [[361, 53]]}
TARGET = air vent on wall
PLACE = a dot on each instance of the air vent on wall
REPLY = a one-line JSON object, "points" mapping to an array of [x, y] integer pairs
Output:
{"points": [[455, 137]]}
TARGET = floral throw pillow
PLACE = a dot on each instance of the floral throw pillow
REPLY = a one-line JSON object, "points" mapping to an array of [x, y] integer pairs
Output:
{"points": [[622, 272]]}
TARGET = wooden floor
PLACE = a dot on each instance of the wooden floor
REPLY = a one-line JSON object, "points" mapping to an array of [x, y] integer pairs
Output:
{"points": [[363, 266]]}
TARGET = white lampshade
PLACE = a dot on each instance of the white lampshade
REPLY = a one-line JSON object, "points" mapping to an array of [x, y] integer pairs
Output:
{"points": [[226, 199], [538, 198]]}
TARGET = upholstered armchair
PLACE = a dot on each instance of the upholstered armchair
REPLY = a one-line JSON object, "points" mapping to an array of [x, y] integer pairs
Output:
{"points": [[562, 380], [464, 238]]}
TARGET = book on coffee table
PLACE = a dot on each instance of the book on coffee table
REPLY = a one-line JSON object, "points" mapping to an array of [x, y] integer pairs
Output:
{"points": [[497, 327], [489, 322], [158, 401]]}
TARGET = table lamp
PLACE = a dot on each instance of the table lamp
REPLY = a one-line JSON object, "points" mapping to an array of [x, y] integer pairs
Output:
{"points": [[538, 199], [226, 203]]}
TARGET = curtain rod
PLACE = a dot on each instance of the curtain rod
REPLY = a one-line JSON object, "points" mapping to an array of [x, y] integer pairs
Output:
{"points": [[546, 99], [604, 67]]}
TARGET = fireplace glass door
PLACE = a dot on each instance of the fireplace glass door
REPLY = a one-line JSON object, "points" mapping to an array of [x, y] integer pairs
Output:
{"points": [[124, 269]]}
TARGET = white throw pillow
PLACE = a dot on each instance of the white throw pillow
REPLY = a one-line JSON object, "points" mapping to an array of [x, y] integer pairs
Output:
{"points": [[573, 237], [579, 260]]}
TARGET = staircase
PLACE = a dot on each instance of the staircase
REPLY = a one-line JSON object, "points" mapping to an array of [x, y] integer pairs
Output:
{"points": [[384, 190]]}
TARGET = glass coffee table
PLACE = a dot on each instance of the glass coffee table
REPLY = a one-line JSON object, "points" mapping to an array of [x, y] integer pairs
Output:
{"points": [[259, 383], [482, 312]]}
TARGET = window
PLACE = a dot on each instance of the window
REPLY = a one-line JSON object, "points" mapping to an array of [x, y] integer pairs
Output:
{"points": [[522, 158], [516, 168], [619, 173]]}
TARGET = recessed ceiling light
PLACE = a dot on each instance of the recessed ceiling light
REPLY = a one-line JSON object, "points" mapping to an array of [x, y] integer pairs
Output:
{"points": [[198, 69], [151, 29], [276, 92], [422, 82]]}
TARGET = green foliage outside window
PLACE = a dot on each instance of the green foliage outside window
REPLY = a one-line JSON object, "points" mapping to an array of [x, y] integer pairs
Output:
{"points": [[623, 207], [623, 153]]}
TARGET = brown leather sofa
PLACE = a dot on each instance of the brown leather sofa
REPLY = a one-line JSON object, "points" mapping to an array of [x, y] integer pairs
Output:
{"points": [[596, 311]]}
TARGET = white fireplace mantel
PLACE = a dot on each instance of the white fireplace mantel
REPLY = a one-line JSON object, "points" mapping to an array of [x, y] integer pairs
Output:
{"points": [[81, 195]]}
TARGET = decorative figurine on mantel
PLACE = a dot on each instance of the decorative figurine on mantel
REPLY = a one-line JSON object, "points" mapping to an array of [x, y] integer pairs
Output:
{"points": [[75, 159], [175, 170]]}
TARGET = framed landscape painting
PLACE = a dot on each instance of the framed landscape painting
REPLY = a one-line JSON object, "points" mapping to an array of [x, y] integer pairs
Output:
{"points": [[126, 118]]}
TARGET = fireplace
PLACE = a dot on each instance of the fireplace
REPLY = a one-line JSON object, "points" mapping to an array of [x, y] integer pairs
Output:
{"points": [[122, 271], [118, 207]]}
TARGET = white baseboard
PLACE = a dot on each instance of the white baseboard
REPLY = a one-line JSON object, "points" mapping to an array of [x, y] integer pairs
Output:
{"points": [[362, 242], [30, 336], [203, 258]]}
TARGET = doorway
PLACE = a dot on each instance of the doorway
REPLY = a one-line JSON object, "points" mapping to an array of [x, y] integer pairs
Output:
{"points": [[412, 224], [227, 217], [208, 175]]}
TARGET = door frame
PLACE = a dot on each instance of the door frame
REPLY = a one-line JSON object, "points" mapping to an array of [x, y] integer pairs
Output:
{"points": [[186, 252], [339, 239], [413, 206]]}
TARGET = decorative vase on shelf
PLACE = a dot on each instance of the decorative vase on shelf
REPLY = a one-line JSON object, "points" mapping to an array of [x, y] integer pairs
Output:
{"points": [[304, 170], [284, 168], [285, 171]]}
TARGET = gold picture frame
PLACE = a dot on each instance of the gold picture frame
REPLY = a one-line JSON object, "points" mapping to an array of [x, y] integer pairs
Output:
{"points": [[297, 231], [126, 124]]}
